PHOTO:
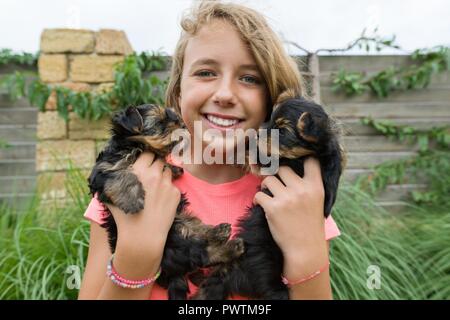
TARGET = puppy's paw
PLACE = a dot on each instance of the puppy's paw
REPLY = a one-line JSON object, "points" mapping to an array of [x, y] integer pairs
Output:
{"points": [[132, 207], [236, 247], [125, 191], [228, 252], [220, 233]]}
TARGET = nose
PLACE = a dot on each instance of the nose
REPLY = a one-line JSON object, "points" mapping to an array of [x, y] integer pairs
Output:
{"points": [[225, 94]]}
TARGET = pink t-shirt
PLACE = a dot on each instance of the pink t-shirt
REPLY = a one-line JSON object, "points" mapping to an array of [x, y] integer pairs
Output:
{"points": [[213, 204]]}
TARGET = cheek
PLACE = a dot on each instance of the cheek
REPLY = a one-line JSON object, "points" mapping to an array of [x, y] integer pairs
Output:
{"points": [[186, 116], [189, 111], [259, 111], [192, 97]]}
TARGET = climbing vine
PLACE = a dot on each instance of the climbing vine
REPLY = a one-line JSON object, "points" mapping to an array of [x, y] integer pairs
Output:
{"points": [[4, 144], [425, 64], [134, 84], [431, 164]]}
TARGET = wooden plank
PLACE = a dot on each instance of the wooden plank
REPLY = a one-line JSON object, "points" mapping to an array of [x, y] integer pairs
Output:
{"points": [[433, 109], [17, 184], [440, 80], [356, 63], [12, 133], [351, 174], [5, 102], [354, 127], [428, 94], [375, 143], [19, 152], [366, 160], [18, 116], [22, 167]]}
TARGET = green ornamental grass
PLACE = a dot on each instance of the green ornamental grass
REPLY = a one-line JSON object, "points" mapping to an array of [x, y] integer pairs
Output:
{"points": [[410, 250]]}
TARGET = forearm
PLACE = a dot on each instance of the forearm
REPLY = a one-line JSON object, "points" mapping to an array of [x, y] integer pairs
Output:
{"points": [[128, 269], [300, 266]]}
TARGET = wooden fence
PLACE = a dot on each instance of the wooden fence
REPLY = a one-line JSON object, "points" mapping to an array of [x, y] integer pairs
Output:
{"points": [[423, 108], [18, 121]]}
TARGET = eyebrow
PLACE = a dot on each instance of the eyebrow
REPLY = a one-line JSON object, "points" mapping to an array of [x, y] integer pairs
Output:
{"points": [[209, 61]]}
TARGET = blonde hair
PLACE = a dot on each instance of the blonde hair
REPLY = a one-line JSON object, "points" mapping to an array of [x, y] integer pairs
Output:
{"points": [[278, 69]]}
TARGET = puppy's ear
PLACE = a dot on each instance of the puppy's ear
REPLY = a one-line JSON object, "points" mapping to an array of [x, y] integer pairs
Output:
{"points": [[310, 127], [131, 120], [171, 115]]}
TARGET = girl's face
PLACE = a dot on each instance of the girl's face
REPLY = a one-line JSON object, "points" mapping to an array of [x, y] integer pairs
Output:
{"points": [[221, 86]]}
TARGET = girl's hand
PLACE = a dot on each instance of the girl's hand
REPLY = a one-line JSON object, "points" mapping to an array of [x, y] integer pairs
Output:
{"points": [[295, 213], [144, 234]]}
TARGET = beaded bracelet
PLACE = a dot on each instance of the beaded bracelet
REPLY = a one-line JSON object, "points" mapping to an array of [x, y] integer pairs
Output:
{"points": [[311, 276], [125, 283]]}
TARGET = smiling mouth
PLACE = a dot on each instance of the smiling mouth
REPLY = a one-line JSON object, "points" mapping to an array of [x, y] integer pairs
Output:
{"points": [[221, 122]]}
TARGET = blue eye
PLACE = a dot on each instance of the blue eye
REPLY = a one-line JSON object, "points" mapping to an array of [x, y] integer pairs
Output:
{"points": [[201, 73], [252, 79]]}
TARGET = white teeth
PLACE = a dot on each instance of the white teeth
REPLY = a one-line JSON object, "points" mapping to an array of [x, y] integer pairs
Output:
{"points": [[220, 121]]}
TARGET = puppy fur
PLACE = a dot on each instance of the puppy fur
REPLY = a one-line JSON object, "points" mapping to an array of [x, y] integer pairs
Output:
{"points": [[305, 130], [190, 244]]}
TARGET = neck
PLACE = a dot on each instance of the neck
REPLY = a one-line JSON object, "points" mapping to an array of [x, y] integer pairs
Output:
{"points": [[214, 173]]}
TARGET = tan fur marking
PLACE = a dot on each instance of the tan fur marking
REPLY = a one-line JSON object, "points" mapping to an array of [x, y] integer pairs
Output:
{"points": [[125, 180], [157, 112], [294, 153], [301, 129], [283, 123], [157, 143]]}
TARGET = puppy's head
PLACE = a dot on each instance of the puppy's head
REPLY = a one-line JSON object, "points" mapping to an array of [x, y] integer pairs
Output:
{"points": [[305, 129], [149, 124]]}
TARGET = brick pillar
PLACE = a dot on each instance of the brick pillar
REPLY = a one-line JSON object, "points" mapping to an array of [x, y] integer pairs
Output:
{"points": [[81, 60]]}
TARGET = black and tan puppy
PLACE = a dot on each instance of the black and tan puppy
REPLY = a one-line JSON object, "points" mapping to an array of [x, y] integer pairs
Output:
{"points": [[304, 130], [190, 244]]}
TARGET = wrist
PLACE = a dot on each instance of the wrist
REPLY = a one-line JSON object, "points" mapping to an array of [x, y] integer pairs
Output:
{"points": [[300, 263], [120, 281], [305, 249], [136, 265]]}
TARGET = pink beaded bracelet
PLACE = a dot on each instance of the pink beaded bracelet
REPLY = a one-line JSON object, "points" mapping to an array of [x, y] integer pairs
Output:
{"points": [[125, 283], [311, 276]]}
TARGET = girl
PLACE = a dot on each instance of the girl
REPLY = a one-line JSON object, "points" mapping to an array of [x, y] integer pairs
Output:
{"points": [[228, 70]]}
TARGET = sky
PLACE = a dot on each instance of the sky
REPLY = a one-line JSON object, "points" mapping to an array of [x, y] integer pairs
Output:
{"points": [[153, 25]]}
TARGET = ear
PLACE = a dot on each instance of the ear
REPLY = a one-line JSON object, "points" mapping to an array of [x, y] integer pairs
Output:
{"points": [[308, 128], [130, 119]]}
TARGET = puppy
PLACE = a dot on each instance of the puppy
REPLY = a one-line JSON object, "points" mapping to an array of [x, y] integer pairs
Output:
{"points": [[304, 130], [190, 244]]}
